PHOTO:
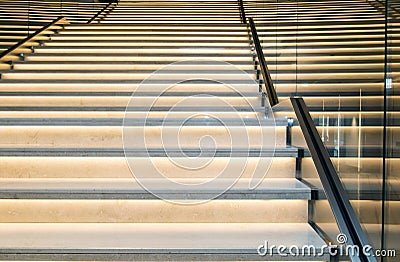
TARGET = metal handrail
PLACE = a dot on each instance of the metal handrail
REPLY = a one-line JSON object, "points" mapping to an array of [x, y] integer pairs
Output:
{"points": [[23, 42], [268, 84], [382, 6], [335, 192], [102, 10], [268, 89], [242, 12]]}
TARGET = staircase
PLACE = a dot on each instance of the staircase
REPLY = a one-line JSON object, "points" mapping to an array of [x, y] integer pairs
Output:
{"points": [[169, 91], [20, 18]]}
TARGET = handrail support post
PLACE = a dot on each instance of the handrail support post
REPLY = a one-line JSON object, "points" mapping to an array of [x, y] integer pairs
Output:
{"points": [[25, 42], [269, 88]]}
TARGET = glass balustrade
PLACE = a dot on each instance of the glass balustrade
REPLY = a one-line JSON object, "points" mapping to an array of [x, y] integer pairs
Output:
{"points": [[342, 58]]}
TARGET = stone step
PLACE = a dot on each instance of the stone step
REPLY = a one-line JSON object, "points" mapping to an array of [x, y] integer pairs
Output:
{"points": [[136, 241], [142, 188], [37, 165], [207, 153]]}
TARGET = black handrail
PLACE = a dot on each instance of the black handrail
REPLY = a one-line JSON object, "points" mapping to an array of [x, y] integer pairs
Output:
{"points": [[23, 42], [268, 84], [383, 6], [101, 11], [242, 12], [336, 194], [338, 199]]}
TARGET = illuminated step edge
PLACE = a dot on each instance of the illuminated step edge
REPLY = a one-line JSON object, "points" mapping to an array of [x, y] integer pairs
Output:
{"points": [[187, 241], [70, 167], [146, 152], [199, 120], [117, 188]]}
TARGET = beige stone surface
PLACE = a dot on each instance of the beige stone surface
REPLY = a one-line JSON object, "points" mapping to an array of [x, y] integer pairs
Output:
{"points": [[152, 211]]}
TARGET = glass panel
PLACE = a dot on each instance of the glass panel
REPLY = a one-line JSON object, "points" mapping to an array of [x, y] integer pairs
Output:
{"points": [[320, 217], [276, 22], [332, 54], [392, 186], [341, 65]]}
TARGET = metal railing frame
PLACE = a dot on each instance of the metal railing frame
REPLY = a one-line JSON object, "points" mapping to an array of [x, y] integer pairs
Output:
{"points": [[339, 201]]}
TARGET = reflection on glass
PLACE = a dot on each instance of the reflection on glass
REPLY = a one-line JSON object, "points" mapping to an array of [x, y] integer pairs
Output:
{"points": [[332, 54], [392, 164]]}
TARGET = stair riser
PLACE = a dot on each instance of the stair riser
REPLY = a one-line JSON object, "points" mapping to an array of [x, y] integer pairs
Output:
{"points": [[52, 86], [92, 116], [117, 167], [141, 51], [155, 27], [168, 21], [150, 32], [148, 102], [128, 67], [372, 67], [111, 137], [162, 76], [152, 211], [150, 43], [126, 58], [125, 76], [148, 38]]}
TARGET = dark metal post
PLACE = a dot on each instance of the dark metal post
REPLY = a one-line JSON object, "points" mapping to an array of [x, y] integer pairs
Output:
{"points": [[269, 86], [338, 199], [242, 12], [102, 10]]}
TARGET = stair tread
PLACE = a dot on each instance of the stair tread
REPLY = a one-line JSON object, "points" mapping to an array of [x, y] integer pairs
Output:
{"points": [[153, 25], [136, 94], [153, 152], [101, 188], [217, 238], [165, 71], [154, 33], [119, 81], [201, 63], [134, 109], [176, 54], [140, 122]]}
